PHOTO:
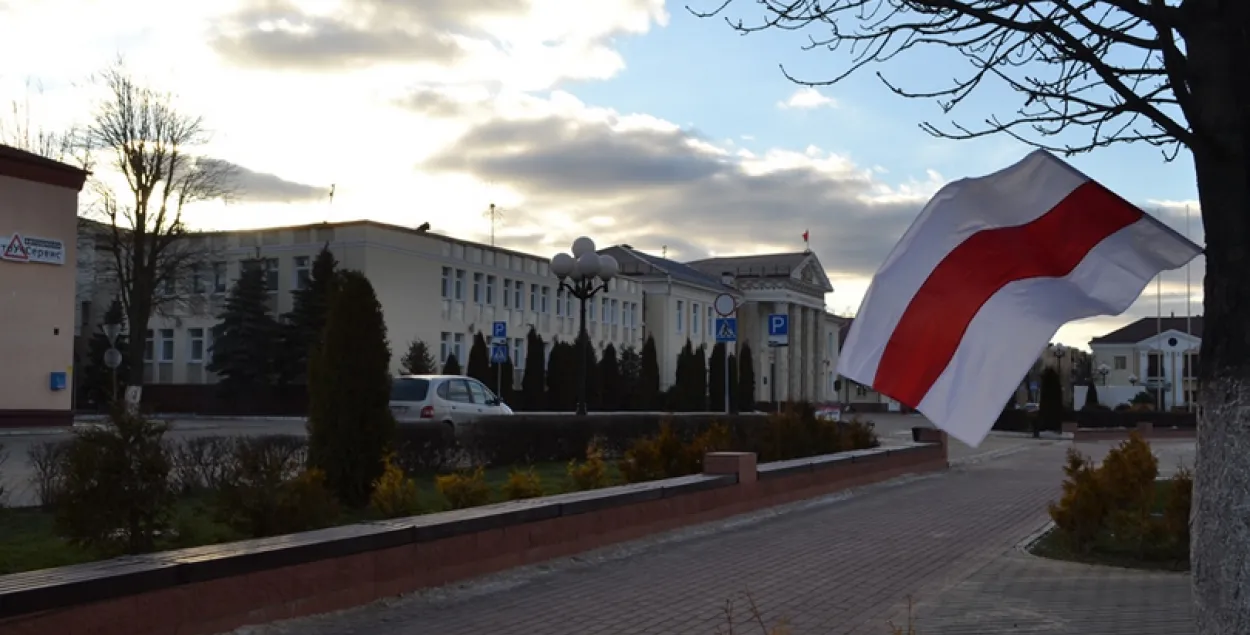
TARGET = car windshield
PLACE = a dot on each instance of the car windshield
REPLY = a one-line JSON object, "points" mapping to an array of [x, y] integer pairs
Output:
{"points": [[409, 389]]}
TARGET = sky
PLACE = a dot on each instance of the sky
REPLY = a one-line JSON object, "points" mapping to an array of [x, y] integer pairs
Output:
{"points": [[635, 123]]}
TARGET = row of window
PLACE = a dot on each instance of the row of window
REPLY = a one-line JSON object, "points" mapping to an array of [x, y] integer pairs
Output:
{"points": [[215, 277], [455, 285], [159, 345], [1189, 364], [692, 320], [454, 344]]}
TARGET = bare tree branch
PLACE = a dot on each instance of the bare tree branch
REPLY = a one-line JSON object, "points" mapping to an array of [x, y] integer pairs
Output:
{"points": [[1110, 67], [155, 259]]}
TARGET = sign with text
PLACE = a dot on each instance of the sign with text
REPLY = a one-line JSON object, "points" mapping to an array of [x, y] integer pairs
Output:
{"points": [[45, 251]]}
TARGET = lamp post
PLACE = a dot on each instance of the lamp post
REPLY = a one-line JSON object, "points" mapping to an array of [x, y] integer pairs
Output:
{"points": [[583, 274], [1132, 380], [1058, 352], [1104, 370]]}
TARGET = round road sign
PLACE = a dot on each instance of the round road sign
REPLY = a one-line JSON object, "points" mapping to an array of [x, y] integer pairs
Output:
{"points": [[112, 358], [725, 305]]}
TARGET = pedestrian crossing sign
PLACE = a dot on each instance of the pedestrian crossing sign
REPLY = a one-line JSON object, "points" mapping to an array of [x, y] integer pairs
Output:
{"points": [[726, 329]]}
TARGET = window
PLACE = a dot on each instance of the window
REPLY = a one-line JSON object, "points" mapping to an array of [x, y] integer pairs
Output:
{"points": [[477, 288], [167, 345], [546, 298], [219, 277], [195, 352], [446, 288], [459, 286], [518, 353], [1120, 362], [710, 319], [860, 391], [1152, 366], [149, 347], [457, 390], [559, 301], [271, 274], [459, 349], [198, 283], [507, 293], [168, 286], [303, 272], [681, 316], [694, 318], [517, 301], [409, 389], [605, 310], [590, 308], [444, 347], [479, 392], [490, 290], [1191, 365], [616, 312], [568, 304]]}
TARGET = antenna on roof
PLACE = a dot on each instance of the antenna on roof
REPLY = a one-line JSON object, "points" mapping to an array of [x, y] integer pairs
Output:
{"points": [[664, 251], [495, 214]]}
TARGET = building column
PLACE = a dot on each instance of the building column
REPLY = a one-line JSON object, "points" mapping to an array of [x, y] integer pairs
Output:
{"points": [[797, 354], [815, 367]]}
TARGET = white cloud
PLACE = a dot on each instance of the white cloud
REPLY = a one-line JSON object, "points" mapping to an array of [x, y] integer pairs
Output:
{"points": [[807, 98]]}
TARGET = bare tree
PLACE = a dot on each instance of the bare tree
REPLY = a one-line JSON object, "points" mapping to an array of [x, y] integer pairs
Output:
{"points": [[156, 260], [19, 130], [1089, 74]]}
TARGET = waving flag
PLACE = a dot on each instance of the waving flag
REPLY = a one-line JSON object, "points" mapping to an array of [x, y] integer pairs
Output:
{"points": [[986, 275]]}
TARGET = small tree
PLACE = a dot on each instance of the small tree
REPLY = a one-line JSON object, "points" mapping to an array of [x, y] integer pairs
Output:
{"points": [[506, 391], [594, 387], [716, 378], [649, 377], [561, 377], [610, 380], [452, 365], [533, 382], [733, 381], [479, 360], [1050, 405], [244, 341], [349, 417], [746, 379], [1091, 396], [302, 327], [698, 377], [418, 360], [631, 378]]}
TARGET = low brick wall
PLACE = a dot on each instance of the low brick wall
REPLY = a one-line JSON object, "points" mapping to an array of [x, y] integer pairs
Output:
{"points": [[1147, 432], [218, 588]]}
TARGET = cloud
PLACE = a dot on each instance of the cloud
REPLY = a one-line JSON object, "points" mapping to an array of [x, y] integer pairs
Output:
{"points": [[807, 98], [262, 187], [534, 42], [659, 182]]}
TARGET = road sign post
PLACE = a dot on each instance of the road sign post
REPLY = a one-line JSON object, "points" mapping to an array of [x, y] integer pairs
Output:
{"points": [[726, 333], [778, 329]]}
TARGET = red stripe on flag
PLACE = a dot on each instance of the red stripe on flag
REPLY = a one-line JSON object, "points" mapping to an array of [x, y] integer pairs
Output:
{"points": [[930, 330]]}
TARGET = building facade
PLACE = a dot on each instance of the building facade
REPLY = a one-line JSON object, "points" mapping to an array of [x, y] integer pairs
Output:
{"points": [[443, 290], [38, 253], [1152, 354]]}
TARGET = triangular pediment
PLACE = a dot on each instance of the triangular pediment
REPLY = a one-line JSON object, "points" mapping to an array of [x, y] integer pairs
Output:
{"points": [[810, 271], [1170, 339]]}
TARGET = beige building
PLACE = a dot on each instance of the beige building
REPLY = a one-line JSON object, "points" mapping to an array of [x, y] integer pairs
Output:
{"points": [[38, 229], [1149, 354], [443, 290]]}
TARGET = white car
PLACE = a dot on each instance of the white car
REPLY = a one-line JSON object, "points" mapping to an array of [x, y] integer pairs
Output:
{"points": [[449, 400]]}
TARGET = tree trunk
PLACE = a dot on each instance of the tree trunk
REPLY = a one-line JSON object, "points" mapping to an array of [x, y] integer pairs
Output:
{"points": [[1218, 41]]}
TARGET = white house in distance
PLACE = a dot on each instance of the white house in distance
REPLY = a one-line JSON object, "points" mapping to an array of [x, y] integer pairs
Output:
{"points": [[1149, 354], [443, 290]]}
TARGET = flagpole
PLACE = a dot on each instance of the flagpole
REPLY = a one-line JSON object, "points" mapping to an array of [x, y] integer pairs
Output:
{"points": [[1159, 338], [1189, 402]]}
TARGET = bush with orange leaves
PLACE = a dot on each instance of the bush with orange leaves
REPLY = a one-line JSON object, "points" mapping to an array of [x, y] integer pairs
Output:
{"points": [[1119, 507]]}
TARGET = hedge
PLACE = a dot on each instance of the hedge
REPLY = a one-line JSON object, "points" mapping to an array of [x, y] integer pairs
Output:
{"points": [[1021, 421]]}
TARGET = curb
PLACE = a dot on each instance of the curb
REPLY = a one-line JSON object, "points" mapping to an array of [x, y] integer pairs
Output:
{"points": [[1025, 546]]}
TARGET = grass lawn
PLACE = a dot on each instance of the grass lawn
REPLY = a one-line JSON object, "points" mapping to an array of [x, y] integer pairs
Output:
{"points": [[1107, 551], [28, 540]]}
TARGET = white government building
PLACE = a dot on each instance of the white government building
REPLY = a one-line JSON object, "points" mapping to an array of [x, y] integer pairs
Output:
{"points": [[443, 290], [1153, 354]]}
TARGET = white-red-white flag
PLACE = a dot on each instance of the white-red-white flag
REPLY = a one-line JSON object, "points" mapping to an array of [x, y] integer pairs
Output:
{"points": [[985, 276]]}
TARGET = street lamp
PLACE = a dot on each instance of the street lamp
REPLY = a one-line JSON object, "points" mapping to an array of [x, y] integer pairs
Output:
{"points": [[583, 274], [1103, 370], [1132, 380]]}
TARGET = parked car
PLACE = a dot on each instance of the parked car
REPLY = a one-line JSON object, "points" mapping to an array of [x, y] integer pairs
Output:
{"points": [[446, 400], [1031, 407]]}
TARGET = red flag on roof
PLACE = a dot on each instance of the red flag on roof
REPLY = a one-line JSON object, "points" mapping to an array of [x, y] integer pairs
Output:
{"points": [[804, 235]]}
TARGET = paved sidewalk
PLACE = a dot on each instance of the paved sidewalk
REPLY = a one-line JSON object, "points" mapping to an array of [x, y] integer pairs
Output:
{"points": [[844, 567]]}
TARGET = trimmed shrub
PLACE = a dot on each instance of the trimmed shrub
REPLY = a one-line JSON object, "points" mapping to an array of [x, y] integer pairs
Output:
{"points": [[394, 494], [1176, 508], [115, 496], [266, 491], [1079, 513], [522, 484], [47, 462], [591, 473], [201, 464], [349, 418], [663, 456], [425, 450], [4, 458], [464, 489]]}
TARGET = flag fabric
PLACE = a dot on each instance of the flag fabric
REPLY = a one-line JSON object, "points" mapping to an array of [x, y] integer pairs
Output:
{"points": [[985, 276], [804, 235]]}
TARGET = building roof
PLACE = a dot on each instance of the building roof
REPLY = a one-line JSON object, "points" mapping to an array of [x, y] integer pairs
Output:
{"points": [[28, 166], [759, 266], [1144, 328], [635, 263]]}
